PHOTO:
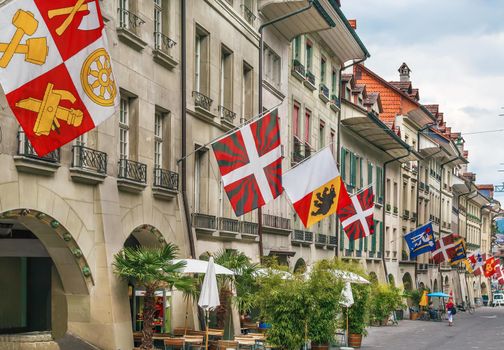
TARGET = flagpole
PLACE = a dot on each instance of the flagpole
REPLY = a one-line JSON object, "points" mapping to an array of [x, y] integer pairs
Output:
{"points": [[307, 158], [251, 120]]}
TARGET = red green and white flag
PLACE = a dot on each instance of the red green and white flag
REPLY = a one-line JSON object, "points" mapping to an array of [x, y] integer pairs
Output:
{"points": [[55, 69], [357, 217], [315, 188], [250, 163]]}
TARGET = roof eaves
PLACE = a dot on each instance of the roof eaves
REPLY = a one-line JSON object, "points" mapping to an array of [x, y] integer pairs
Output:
{"points": [[323, 13], [349, 27]]}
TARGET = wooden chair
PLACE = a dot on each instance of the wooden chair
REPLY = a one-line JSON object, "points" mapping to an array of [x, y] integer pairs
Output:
{"points": [[245, 342], [216, 332], [174, 344], [194, 342], [227, 345], [181, 331]]}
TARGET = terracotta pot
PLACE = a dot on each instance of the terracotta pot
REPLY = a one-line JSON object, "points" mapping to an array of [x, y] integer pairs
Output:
{"points": [[355, 340], [320, 347], [414, 315]]}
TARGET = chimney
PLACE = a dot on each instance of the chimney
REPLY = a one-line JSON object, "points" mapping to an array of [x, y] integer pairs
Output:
{"points": [[404, 72], [353, 23]]}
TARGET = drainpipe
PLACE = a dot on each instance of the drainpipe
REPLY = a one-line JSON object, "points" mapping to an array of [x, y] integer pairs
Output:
{"points": [[261, 49], [383, 210], [338, 137], [183, 67]]}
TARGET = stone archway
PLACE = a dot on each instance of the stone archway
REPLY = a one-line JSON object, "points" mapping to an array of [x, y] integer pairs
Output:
{"points": [[435, 286], [300, 266], [484, 290], [446, 285], [373, 278], [407, 282], [53, 274], [391, 280]]}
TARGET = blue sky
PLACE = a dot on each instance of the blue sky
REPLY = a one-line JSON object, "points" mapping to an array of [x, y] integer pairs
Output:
{"points": [[455, 49]]}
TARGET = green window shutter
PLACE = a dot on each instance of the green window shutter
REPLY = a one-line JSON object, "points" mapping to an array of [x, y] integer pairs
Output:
{"points": [[370, 174], [379, 182], [353, 170], [361, 244], [342, 164], [342, 239], [373, 237], [381, 237], [361, 180], [351, 244]]}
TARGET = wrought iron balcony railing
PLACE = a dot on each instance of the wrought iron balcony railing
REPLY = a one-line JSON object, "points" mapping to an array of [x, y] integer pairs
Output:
{"points": [[333, 241], [406, 214], [163, 42], [201, 100], [310, 77], [348, 252], [129, 20], [248, 14], [297, 154], [335, 100], [131, 170], [89, 159], [324, 90], [298, 67], [204, 221], [276, 222], [25, 149], [230, 225], [227, 115], [166, 179], [250, 228], [302, 236], [320, 238]]}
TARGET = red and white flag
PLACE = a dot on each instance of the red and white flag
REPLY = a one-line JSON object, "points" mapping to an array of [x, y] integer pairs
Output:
{"points": [[250, 162], [445, 249], [499, 274], [55, 69], [490, 267], [477, 261], [357, 217]]}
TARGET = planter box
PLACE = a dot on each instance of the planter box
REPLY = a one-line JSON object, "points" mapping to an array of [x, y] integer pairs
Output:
{"points": [[414, 315], [355, 340]]}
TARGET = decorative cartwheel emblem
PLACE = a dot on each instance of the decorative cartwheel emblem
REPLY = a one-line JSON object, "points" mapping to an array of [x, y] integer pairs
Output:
{"points": [[97, 78]]}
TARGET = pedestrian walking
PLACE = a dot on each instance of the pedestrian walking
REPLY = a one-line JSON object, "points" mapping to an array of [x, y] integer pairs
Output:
{"points": [[451, 310]]}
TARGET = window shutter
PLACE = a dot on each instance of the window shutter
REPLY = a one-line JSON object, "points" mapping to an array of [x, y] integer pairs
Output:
{"points": [[373, 237], [370, 175], [361, 180], [381, 238], [342, 164], [342, 239]]}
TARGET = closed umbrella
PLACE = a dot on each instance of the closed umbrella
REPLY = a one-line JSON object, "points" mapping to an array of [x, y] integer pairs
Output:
{"points": [[347, 301], [209, 296]]}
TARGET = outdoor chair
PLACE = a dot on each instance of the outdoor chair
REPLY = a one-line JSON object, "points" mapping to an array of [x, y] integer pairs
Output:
{"points": [[174, 344], [180, 331], [227, 345], [245, 342], [194, 342]]}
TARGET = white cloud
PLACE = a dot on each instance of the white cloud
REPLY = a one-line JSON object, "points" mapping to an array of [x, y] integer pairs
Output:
{"points": [[455, 49]]}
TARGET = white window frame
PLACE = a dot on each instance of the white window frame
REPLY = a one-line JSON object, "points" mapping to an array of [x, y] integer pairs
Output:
{"points": [[158, 139], [124, 111]]}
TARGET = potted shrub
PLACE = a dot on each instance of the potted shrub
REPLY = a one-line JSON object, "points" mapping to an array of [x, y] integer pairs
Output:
{"points": [[415, 296], [385, 300], [324, 289], [358, 314]]}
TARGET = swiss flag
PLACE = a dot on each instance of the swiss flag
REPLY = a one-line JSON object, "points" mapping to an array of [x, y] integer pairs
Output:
{"points": [[58, 77], [445, 249], [357, 217], [490, 267], [250, 162]]}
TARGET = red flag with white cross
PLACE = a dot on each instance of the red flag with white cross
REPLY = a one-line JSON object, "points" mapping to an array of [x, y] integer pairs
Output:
{"points": [[445, 249], [499, 274], [357, 217], [55, 69], [250, 162]]}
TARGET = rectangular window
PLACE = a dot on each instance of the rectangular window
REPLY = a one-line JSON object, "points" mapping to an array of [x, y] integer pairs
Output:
{"points": [[158, 140], [381, 238], [366, 244], [379, 182], [370, 176], [307, 126], [295, 121], [160, 23], [333, 141], [124, 111], [124, 17], [322, 70], [321, 134], [373, 236], [342, 239], [309, 54], [247, 92], [272, 66], [343, 164], [201, 68], [351, 244], [226, 78], [334, 83], [353, 170], [297, 48]]}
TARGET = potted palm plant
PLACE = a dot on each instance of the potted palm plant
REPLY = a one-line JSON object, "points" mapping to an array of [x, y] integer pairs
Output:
{"points": [[151, 268]]}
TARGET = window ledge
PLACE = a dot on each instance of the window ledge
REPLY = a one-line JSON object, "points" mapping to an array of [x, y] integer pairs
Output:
{"points": [[334, 107], [35, 166], [251, 237], [298, 75], [277, 231], [323, 97], [309, 85], [130, 185], [86, 176], [301, 243], [273, 89], [204, 113], [163, 193], [164, 59], [131, 39], [227, 125]]}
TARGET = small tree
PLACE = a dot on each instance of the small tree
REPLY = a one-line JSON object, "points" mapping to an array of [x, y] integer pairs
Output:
{"points": [[151, 268]]}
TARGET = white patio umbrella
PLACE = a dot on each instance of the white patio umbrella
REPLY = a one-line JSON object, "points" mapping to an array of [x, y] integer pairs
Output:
{"points": [[346, 276], [265, 271], [209, 296], [201, 266], [347, 301]]}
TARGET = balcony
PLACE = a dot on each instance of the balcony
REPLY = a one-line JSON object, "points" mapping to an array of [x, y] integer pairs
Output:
{"points": [[445, 266], [387, 207], [358, 253], [88, 165], [324, 93], [335, 103], [332, 242], [228, 227], [165, 184], [300, 151], [249, 230], [204, 223], [320, 240], [162, 50], [248, 14], [371, 255], [129, 29], [406, 214], [427, 188], [348, 252], [310, 81], [202, 106], [422, 186], [298, 70], [132, 176], [227, 117], [28, 161], [276, 225], [300, 237], [396, 210], [413, 216]]}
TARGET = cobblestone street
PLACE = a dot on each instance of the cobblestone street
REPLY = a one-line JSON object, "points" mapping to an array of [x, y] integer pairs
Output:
{"points": [[482, 330]]}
